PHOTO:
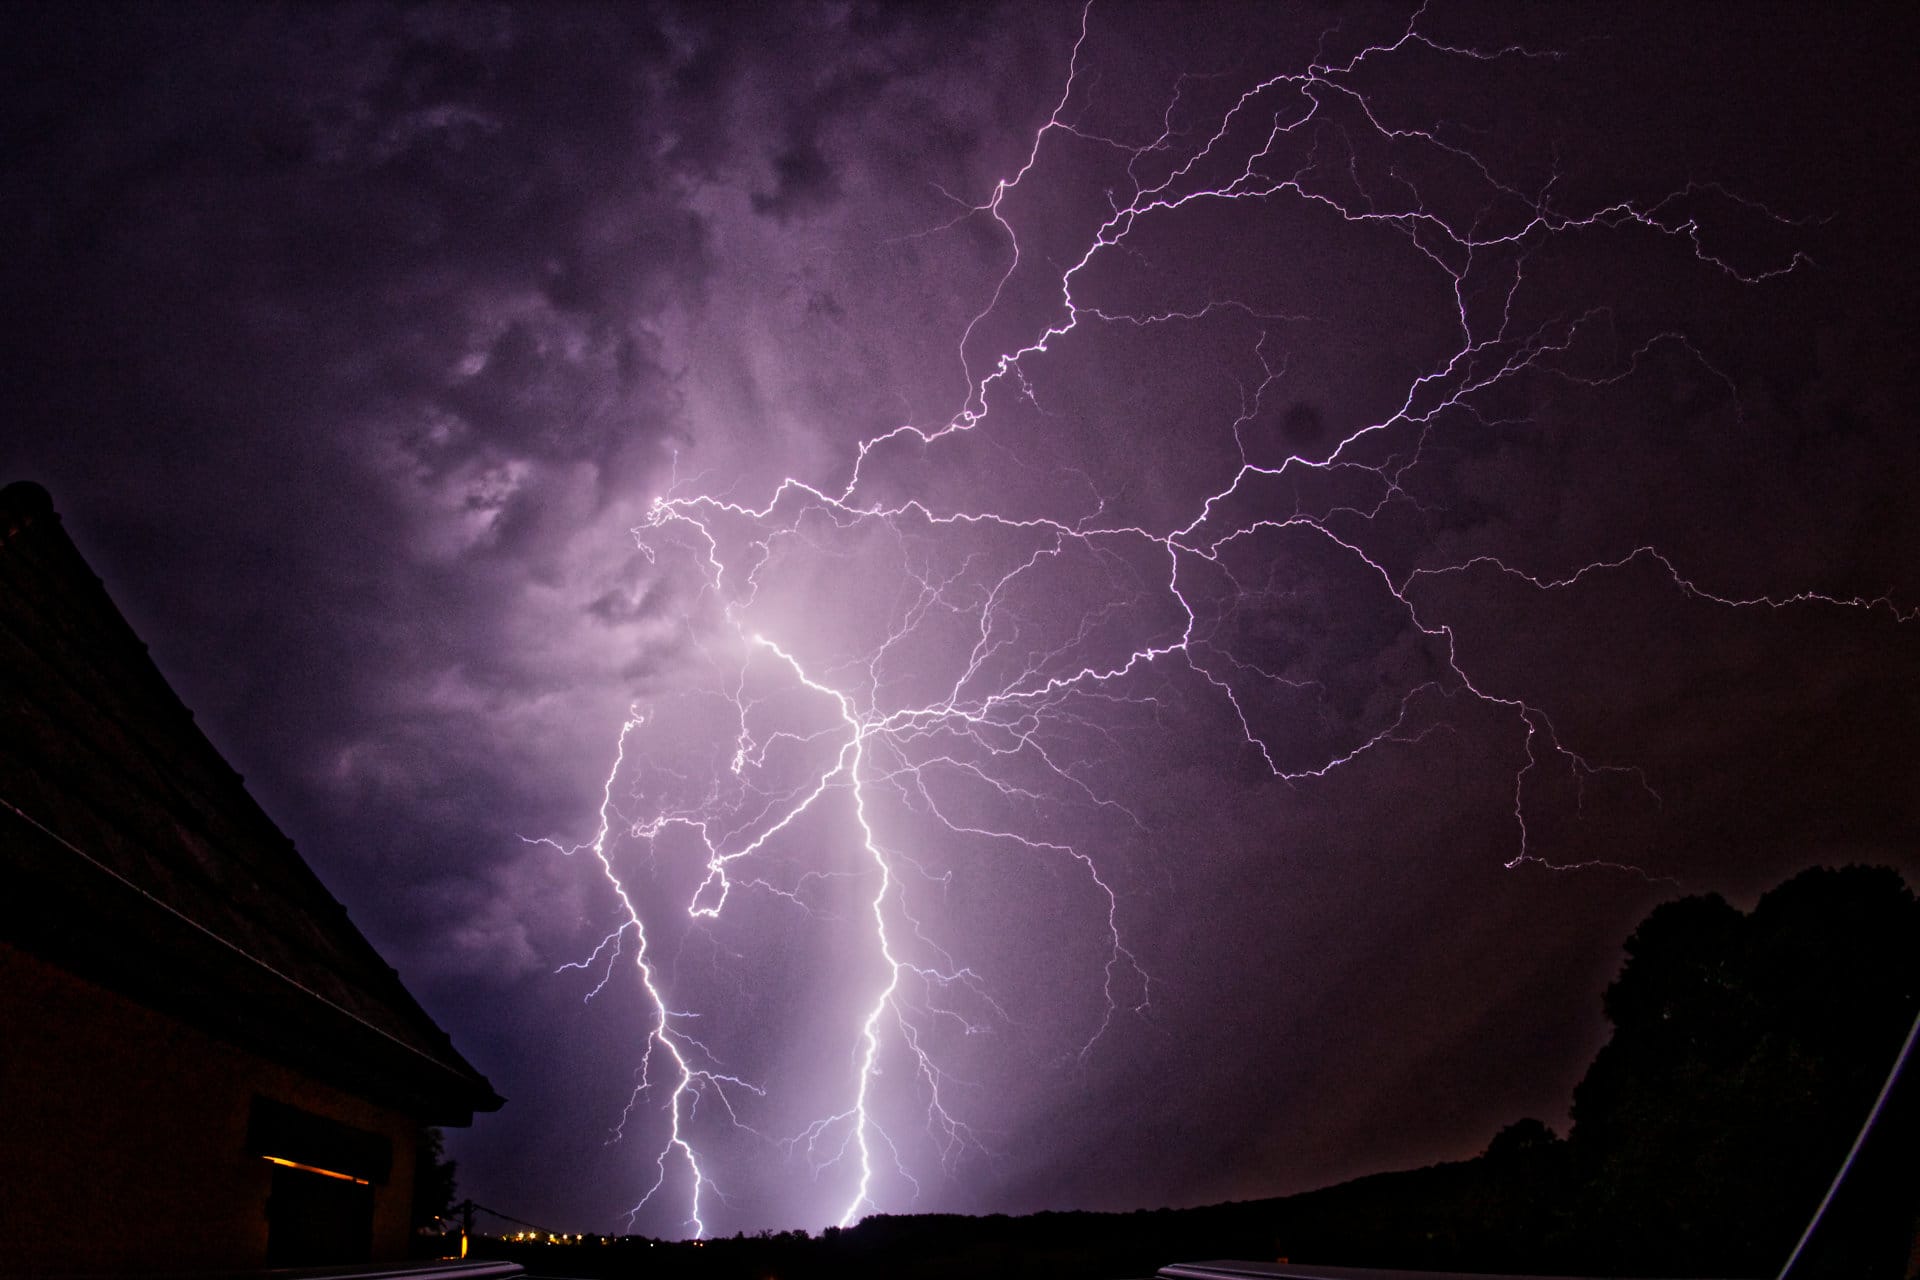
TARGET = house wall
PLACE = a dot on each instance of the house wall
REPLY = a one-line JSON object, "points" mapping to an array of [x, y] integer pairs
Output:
{"points": [[123, 1135]]}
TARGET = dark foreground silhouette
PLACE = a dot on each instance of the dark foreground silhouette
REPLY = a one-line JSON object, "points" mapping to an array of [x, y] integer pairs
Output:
{"points": [[1747, 1048]]}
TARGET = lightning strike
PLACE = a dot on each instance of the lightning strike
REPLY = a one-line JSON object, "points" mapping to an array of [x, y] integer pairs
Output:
{"points": [[1014, 716]]}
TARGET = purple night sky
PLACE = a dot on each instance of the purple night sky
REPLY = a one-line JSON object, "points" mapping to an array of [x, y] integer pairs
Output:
{"points": [[1133, 603]]}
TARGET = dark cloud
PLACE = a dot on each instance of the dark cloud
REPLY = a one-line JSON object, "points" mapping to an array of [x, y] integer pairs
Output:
{"points": [[802, 179], [345, 323]]}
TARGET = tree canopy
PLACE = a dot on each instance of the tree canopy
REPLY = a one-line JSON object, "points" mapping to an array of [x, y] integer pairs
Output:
{"points": [[1746, 1050]]}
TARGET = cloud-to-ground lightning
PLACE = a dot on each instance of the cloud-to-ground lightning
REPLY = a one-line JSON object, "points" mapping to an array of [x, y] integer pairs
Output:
{"points": [[977, 693]]}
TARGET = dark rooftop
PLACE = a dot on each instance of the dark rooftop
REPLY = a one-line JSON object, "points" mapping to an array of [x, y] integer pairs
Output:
{"points": [[135, 856]]}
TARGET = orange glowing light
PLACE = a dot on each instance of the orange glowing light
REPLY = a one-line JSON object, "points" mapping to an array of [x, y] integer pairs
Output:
{"points": [[308, 1168]]}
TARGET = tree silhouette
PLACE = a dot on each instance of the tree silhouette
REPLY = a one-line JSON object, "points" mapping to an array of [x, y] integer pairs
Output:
{"points": [[433, 1179], [1746, 1050]]}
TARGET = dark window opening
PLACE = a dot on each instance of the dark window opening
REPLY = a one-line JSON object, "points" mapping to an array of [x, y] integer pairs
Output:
{"points": [[312, 1218], [320, 1208], [289, 1136]]}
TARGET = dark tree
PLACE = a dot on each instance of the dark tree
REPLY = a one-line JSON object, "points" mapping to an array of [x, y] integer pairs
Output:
{"points": [[433, 1179], [1522, 1145], [1746, 1051]]}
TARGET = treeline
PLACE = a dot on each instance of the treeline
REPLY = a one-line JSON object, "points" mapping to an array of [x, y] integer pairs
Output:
{"points": [[1746, 1050]]}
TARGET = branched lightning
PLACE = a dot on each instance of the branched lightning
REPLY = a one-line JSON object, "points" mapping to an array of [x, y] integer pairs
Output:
{"points": [[690, 1081], [1007, 719]]}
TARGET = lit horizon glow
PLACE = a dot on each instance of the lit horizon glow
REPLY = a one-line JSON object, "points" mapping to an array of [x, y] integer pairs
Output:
{"points": [[917, 684]]}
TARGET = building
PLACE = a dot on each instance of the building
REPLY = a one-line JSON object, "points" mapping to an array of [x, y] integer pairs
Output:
{"points": [[203, 1064]]}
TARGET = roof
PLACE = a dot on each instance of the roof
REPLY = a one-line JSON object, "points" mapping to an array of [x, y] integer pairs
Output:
{"points": [[134, 855]]}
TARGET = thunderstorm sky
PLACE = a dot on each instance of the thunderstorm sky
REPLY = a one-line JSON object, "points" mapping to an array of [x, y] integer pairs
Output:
{"points": [[1133, 601]]}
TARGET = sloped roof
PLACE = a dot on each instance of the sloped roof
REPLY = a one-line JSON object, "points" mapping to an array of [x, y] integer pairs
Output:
{"points": [[133, 854]]}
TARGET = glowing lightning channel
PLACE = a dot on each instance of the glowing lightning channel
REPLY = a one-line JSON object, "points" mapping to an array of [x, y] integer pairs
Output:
{"points": [[850, 759], [689, 1080], [998, 724]]}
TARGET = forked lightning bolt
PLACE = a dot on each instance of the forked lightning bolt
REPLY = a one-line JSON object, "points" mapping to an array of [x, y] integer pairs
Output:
{"points": [[1013, 704]]}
